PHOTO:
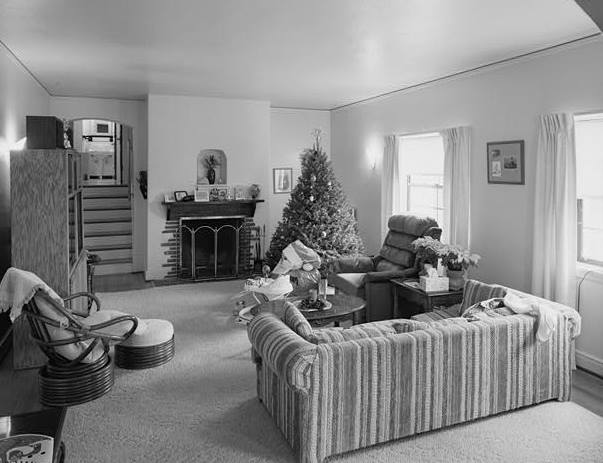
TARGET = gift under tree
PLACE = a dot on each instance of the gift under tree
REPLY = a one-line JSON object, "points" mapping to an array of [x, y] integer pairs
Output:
{"points": [[318, 213]]}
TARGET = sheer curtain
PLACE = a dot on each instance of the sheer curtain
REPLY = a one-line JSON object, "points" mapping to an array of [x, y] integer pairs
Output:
{"points": [[390, 184], [555, 215], [457, 150]]}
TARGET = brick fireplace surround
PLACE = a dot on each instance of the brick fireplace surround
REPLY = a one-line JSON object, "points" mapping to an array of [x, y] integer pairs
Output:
{"points": [[215, 236]]}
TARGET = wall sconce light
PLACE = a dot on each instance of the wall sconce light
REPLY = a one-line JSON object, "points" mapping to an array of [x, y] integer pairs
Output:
{"points": [[373, 163], [19, 145]]}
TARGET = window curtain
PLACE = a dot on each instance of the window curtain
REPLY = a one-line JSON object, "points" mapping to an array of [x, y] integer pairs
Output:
{"points": [[390, 181], [555, 216], [457, 149]]}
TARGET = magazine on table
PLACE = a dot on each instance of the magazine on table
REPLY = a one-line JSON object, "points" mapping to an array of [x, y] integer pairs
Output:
{"points": [[26, 448]]}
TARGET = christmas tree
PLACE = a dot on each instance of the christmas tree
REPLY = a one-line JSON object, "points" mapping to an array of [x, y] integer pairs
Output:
{"points": [[318, 213]]}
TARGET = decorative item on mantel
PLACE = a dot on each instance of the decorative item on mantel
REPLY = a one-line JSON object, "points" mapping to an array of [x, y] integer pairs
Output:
{"points": [[211, 167]]}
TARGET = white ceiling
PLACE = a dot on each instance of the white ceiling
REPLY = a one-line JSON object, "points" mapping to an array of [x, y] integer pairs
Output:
{"points": [[297, 53]]}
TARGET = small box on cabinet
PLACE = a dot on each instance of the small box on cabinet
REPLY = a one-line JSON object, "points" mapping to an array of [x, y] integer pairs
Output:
{"points": [[430, 284]]}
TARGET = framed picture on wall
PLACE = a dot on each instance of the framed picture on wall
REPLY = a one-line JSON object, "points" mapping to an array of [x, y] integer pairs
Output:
{"points": [[506, 162], [282, 180]]}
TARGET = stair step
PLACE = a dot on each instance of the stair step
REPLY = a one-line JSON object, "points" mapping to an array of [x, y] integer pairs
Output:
{"points": [[106, 192], [107, 215], [105, 228], [110, 254], [113, 268], [106, 203], [97, 248], [107, 241]]}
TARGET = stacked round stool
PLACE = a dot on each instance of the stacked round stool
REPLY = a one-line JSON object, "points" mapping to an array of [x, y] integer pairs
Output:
{"points": [[147, 348], [62, 386]]}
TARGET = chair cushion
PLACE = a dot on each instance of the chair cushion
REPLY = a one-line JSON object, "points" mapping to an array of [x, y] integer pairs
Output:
{"points": [[118, 329], [476, 291], [156, 332], [411, 224], [387, 266], [69, 351], [349, 283]]}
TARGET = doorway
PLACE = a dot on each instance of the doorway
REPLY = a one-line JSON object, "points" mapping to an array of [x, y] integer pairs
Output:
{"points": [[107, 154]]}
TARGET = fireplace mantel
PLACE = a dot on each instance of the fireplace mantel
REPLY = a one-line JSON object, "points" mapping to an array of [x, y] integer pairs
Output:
{"points": [[245, 207]]}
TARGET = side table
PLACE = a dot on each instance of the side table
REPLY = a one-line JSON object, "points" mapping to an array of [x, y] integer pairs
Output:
{"points": [[410, 300]]}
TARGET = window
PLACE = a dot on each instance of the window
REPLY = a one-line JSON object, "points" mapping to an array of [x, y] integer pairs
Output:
{"points": [[422, 175], [589, 188]]}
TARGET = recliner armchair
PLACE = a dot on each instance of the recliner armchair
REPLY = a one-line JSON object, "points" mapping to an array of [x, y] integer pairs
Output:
{"points": [[368, 276]]}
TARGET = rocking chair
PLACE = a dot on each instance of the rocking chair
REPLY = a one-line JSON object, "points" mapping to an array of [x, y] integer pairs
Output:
{"points": [[79, 367]]}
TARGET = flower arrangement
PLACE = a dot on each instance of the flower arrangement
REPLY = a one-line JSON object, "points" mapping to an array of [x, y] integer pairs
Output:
{"points": [[454, 257], [211, 162], [428, 250]]}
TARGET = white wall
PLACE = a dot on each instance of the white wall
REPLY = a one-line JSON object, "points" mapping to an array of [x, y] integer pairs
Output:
{"points": [[20, 95], [290, 134], [134, 114], [179, 128], [499, 103]]}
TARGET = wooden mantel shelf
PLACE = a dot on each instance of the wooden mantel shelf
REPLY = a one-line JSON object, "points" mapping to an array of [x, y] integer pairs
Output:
{"points": [[177, 210]]}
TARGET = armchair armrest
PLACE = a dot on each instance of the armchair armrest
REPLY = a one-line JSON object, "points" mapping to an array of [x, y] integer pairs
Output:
{"points": [[284, 351], [390, 274], [90, 296], [354, 264]]}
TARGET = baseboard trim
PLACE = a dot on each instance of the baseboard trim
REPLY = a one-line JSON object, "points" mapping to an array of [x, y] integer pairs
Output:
{"points": [[589, 363]]}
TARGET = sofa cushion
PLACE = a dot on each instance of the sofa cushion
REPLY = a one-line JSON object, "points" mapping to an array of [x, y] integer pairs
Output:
{"points": [[294, 319], [476, 291], [366, 330], [349, 283], [156, 332], [437, 314]]}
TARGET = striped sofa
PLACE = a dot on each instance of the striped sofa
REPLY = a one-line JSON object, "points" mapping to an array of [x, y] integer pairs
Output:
{"points": [[335, 390]]}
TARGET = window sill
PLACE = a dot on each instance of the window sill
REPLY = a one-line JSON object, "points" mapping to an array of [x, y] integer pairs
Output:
{"points": [[594, 272]]}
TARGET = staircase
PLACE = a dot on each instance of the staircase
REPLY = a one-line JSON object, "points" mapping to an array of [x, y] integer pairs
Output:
{"points": [[108, 227]]}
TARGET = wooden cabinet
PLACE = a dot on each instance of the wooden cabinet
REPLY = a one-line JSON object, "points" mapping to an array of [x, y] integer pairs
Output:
{"points": [[47, 221]]}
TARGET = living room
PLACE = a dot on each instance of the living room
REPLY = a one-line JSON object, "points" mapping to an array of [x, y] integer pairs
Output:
{"points": [[255, 82]]}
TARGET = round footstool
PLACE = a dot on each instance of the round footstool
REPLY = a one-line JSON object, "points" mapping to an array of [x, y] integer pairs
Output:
{"points": [[152, 347]]}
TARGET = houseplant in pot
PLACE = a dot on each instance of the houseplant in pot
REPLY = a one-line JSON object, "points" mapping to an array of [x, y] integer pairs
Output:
{"points": [[428, 251], [457, 261]]}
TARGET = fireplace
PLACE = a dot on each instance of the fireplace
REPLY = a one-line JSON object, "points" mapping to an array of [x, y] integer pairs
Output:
{"points": [[210, 247], [210, 240]]}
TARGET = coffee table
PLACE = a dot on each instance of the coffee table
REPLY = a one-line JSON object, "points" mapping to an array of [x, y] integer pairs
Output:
{"points": [[345, 307]]}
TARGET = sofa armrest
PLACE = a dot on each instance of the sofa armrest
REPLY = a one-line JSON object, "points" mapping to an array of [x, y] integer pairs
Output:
{"points": [[390, 274], [284, 351], [353, 264]]}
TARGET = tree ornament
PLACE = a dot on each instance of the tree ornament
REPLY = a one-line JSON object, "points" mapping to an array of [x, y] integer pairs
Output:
{"points": [[312, 198], [323, 234], [313, 178]]}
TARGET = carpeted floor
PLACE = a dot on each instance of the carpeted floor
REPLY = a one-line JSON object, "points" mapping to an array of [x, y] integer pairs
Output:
{"points": [[202, 406]]}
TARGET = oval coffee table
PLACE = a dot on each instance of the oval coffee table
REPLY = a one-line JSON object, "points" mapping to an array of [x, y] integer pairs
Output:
{"points": [[345, 307]]}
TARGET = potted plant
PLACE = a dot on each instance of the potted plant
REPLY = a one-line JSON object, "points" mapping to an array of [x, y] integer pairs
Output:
{"points": [[457, 261], [211, 162], [428, 250]]}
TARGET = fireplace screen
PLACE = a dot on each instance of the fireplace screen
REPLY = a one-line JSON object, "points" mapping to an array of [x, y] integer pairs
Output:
{"points": [[210, 247]]}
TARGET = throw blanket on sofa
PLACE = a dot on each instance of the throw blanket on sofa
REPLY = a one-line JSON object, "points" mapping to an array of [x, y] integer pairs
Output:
{"points": [[514, 303]]}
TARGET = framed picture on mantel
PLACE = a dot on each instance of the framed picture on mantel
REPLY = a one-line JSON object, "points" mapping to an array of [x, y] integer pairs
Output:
{"points": [[506, 162]]}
